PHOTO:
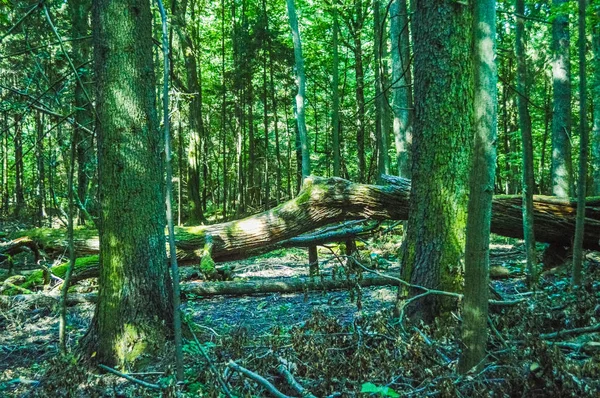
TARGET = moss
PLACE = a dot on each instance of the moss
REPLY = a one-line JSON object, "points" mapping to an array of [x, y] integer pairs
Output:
{"points": [[36, 278]]}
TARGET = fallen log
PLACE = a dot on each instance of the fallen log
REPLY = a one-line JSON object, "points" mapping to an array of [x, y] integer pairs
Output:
{"points": [[209, 289], [324, 201]]}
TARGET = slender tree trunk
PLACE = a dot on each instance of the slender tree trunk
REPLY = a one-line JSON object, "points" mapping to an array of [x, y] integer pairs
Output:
{"points": [[596, 101], [266, 130], [583, 152], [526, 136], [18, 145], [434, 245], [562, 169], [79, 11], [39, 154], [196, 127], [335, 114], [223, 110], [380, 99], [301, 95], [401, 85], [475, 309], [360, 95], [134, 297], [5, 187], [275, 126]]}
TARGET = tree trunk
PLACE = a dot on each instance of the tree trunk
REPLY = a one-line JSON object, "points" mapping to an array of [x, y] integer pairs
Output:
{"points": [[583, 152], [18, 145], [596, 102], [562, 169], [335, 112], [401, 85], [381, 119], [434, 245], [39, 154], [325, 201], [79, 12], [526, 136], [301, 82], [360, 93], [483, 171], [134, 306]]}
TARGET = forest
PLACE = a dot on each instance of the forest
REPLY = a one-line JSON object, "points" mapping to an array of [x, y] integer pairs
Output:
{"points": [[299, 198]]}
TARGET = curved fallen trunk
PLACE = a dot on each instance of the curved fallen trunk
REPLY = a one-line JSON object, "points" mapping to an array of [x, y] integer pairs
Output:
{"points": [[324, 201]]}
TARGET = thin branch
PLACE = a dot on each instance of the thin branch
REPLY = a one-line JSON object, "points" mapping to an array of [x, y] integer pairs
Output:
{"points": [[257, 378], [570, 332], [62, 47], [130, 378], [287, 375], [16, 25]]}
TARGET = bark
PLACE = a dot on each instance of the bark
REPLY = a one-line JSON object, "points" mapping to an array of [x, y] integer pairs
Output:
{"points": [[335, 114], [583, 152], [527, 140], [41, 168], [301, 95], [381, 119], [360, 93], [18, 145], [79, 11], [325, 201], [434, 244], [562, 169], [596, 101], [401, 85], [135, 305], [483, 171]]}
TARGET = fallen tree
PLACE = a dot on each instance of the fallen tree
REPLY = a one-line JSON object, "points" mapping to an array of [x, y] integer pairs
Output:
{"points": [[324, 201]]}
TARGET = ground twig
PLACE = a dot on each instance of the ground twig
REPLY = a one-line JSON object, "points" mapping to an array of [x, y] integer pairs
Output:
{"points": [[258, 378]]}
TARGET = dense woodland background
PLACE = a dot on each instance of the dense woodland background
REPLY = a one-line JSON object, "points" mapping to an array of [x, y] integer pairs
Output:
{"points": [[459, 100]]}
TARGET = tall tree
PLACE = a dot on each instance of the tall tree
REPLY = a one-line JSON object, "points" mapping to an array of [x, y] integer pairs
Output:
{"points": [[381, 119], [483, 171], [526, 137], [399, 32], [335, 111], [300, 115], [79, 11], [134, 302], [562, 170], [583, 152], [596, 101], [435, 239]]}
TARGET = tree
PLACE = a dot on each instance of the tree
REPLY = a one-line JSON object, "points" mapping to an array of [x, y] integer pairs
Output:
{"points": [[401, 85], [583, 152], [596, 101], [526, 137], [483, 171], [562, 170], [335, 112], [381, 119], [434, 245], [134, 306], [79, 11]]}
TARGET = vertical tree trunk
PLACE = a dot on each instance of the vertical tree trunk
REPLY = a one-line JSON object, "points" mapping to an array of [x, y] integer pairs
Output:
{"points": [[596, 101], [301, 95], [525, 126], [335, 114], [223, 110], [434, 244], [401, 85], [39, 154], [266, 127], [79, 12], [475, 309], [18, 145], [275, 126], [134, 300], [562, 169], [360, 92], [583, 152], [5, 187], [380, 99]]}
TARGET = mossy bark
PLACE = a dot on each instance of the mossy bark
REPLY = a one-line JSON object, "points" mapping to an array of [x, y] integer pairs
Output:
{"points": [[435, 239], [134, 306]]}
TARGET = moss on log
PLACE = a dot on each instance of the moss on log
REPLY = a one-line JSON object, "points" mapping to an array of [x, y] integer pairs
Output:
{"points": [[324, 201]]}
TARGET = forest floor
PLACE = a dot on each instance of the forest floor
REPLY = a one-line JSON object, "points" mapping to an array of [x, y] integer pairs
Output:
{"points": [[336, 343]]}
